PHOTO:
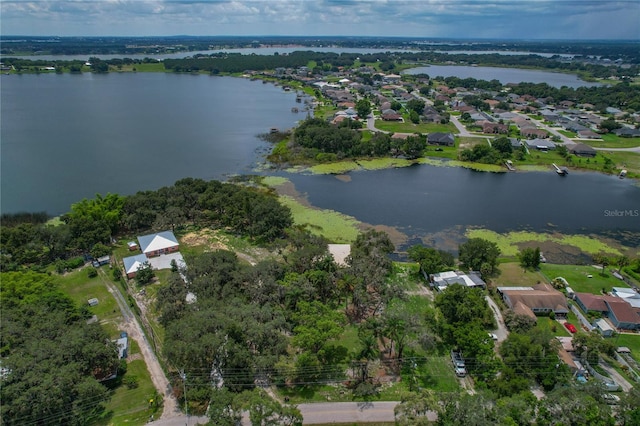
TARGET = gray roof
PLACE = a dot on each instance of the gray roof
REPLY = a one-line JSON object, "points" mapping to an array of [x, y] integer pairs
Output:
{"points": [[540, 144], [132, 263], [441, 137]]}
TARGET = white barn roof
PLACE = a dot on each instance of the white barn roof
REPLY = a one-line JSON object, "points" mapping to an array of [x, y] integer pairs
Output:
{"points": [[159, 241]]}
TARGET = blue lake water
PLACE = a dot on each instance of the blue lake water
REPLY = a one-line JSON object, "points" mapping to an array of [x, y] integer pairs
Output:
{"points": [[67, 137], [503, 75]]}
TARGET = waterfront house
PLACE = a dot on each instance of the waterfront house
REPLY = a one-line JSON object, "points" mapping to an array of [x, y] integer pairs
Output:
{"points": [[442, 280], [445, 139], [159, 243], [582, 150], [540, 144], [540, 299]]}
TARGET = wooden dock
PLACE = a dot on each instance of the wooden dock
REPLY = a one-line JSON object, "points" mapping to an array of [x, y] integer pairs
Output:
{"points": [[561, 171], [509, 165]]}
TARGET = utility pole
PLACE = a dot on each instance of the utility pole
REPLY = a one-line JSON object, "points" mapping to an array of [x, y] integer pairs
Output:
{"points": [[183, 376]]}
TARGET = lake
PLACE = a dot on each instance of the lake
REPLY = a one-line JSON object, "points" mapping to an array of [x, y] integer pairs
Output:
{"points": [[67, 137], [425, 200], [503, 75]]}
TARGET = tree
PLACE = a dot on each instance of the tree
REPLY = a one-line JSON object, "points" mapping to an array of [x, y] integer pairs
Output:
{"points": [[52, 357], [609, 125], [603, 260], [414, 117], [476, 253], [502, 145], [363, 108], [431, 260], [416, 105], [145, 274], [266, 411], [414, 408], [530, 258]]}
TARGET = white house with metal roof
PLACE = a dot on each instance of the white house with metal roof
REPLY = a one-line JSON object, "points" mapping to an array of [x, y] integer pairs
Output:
{"points": [[159, 243]]}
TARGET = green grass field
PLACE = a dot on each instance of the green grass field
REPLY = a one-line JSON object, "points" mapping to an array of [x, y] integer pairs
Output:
{"points": [[131, 406], [612, 141], [578, 277], [512, 275], [408, 127], [126, 406]]}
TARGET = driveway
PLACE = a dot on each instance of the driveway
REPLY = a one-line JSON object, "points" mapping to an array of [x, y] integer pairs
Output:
{"points": [[501, 332], [164, 261]]}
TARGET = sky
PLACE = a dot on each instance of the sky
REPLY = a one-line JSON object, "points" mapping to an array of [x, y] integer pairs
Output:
{"points": [[491, 19]]}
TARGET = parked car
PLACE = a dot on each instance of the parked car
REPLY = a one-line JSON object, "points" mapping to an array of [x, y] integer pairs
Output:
{"points": [[493, 336], [572, 328]]}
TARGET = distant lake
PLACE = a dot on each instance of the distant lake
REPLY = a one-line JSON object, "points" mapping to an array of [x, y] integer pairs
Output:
{"points": [[245, 51], [503, 75]]}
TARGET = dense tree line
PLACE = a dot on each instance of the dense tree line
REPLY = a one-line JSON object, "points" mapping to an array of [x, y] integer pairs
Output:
{"points": [[93, 223], [275, 322], [51, 358], [318, 140]]}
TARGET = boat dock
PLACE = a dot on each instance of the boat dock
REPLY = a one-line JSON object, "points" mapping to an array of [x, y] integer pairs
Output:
{"points": [[561, 171], [509, 165]]}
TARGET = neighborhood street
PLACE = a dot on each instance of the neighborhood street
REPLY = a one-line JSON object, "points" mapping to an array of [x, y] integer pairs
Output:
{"points": [[318, 413]]}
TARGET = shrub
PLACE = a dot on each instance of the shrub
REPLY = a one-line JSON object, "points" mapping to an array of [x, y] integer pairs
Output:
{"points": [[92, 272], [131, 381]]}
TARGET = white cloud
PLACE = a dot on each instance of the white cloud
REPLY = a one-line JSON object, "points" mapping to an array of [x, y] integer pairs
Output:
{"points": [[428, 18]]}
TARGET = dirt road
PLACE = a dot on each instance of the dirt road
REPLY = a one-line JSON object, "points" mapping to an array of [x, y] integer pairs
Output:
{"points": [[131, 325]]}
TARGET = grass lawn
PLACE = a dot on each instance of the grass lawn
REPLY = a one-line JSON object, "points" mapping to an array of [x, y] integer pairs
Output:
{"points": [[80, 288], [408, 127], [512, 275], [614, 141], [577, 277], [406, 276], [131, 406], [557, 329], [626, 160]]}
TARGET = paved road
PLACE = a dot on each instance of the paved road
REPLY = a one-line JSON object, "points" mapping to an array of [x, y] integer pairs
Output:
{"points": [[624, 384], [330, 412]]}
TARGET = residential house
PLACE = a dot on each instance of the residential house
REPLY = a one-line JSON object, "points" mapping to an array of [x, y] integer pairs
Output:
{"points": [[157, 244], [540, 299], [442, 280], [588, 134], [626, 132], [133, 263], [591, 302], [390, 115], [582, 150], [446, 139], [623, 315], [540, 144], [627, 294], [534, 133], [495, 128], [515, 143]]}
